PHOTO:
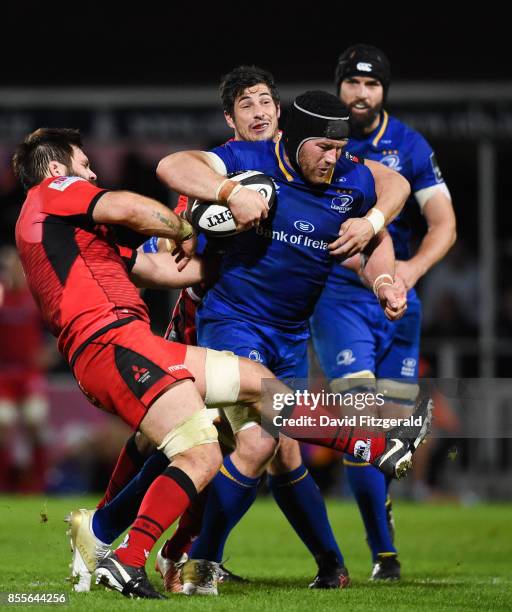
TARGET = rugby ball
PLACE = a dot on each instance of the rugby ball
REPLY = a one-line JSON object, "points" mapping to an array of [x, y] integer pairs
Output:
{"points": [[215, 219]]}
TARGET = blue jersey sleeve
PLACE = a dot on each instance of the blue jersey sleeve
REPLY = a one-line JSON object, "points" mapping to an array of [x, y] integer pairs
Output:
{"points": [[426, 171], [230, 155]]}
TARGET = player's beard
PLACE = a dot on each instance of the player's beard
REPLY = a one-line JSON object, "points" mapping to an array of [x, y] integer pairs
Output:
{"points": [[360, 125]]}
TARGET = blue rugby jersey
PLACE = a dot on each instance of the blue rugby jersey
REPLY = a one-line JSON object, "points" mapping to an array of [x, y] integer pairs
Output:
{"points": [[406, 151], [275, 273]]}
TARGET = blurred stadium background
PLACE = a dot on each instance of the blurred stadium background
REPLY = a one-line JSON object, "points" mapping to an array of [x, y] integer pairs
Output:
{"points": [[140, 91]]}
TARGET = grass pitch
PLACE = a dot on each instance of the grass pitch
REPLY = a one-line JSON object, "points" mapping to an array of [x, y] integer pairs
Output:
{"points": [[453, 558]]}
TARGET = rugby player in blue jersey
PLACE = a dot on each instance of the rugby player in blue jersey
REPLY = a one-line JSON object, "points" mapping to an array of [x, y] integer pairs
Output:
{"points": [[271, 276], [359, 346], [251, 106]]}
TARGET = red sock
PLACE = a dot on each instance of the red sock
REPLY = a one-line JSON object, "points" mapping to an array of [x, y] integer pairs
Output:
{"points": [[342, 438], [188, 529], [166, 499], [128, 464]]}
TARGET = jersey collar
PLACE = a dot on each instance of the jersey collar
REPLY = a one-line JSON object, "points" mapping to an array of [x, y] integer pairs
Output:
{"points": [[281, 160], [380, 129]]}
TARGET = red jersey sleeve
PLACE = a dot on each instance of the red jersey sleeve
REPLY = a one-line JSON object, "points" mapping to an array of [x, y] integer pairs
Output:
{"points": [[67, 196]]}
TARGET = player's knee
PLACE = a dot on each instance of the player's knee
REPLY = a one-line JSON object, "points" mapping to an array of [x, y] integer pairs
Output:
{"points": [[241, 417], [201, 463], [196, 430], [209, 456], [287, 458], [143, 444], [254, 447]]}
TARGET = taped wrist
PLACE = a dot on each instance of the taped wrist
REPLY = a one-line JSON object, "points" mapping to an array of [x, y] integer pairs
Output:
{"points": [[186, 231], [226, 190], [376, 219], [382, 279]]}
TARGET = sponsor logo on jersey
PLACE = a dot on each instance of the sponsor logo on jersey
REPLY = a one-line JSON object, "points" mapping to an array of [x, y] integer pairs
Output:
{"points": [[342, 203], [301, 239], [63, 182], [141, 375], [408, 366], [362, 449], [352, 158], [255, 356], [364, 66], [345, 357], [304, 226], [392, 161], [174, 368]]}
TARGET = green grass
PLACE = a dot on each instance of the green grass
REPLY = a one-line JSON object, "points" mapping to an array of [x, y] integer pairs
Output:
{"points": [[453, 558]]}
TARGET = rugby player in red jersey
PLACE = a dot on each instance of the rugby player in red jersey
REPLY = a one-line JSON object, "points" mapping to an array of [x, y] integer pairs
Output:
{"points": [[83, 283]]}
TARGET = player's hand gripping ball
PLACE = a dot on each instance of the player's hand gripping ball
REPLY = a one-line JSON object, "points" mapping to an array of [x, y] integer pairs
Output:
{"points": [[215, 219]]}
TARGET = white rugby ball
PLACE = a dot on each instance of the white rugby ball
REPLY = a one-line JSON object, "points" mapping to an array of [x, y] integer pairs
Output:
{"points": [[215, 219]]}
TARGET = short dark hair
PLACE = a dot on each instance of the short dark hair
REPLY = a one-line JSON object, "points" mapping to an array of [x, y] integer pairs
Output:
{"points": [[38, 149], [241, 77]]}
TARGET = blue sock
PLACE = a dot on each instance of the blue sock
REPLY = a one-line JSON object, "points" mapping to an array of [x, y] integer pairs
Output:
{"points": [[110, 521], [230, 495], [300, 500], [369, 487]]}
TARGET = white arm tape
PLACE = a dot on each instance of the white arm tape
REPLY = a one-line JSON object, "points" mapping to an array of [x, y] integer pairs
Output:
{"points": [[423, 195], [382, 279], [377, 219], [216, 163]]}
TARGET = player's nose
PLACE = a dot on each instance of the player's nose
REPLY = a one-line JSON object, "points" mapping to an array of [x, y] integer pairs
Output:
{"points": [[330, 156]]}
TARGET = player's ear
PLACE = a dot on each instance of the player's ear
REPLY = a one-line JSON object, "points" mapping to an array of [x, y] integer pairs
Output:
{"points": [[278, 110], [56, 168], [229, 120]]}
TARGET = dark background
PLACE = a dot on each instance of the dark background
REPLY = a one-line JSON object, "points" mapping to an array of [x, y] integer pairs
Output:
{"points": [[154, 43], [166, 46]]}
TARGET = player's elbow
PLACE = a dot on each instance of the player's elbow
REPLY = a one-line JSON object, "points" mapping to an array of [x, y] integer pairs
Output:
{"points": [[452, 233], [164, 170], [403, 186]]}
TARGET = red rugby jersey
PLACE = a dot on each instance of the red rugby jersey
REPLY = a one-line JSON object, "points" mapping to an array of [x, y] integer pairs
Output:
{"points": [[76, 272]]}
